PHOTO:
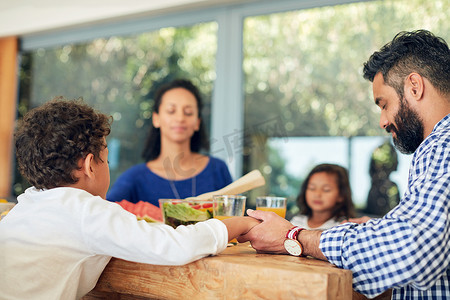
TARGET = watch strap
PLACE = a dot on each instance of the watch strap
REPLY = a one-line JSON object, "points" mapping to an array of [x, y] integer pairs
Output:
{"points": [[293, 232]]}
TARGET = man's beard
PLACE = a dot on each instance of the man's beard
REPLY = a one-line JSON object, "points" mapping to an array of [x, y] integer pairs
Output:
{"points": [[409, 130]]}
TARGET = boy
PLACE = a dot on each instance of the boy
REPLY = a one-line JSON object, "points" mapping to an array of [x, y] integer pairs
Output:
{"points": [[57, 240]]}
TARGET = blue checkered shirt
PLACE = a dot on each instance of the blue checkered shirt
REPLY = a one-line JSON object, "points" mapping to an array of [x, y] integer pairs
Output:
{"points": [[408, 249]]}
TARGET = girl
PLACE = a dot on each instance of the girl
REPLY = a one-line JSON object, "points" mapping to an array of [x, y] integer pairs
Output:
{"points": [[325, 198], [174, 168]]}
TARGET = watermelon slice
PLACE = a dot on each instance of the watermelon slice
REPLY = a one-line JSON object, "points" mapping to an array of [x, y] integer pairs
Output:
{"points": [[143, 210]]}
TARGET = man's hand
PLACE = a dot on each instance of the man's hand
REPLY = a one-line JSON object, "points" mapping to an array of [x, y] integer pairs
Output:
{"points": [[268, 236]]}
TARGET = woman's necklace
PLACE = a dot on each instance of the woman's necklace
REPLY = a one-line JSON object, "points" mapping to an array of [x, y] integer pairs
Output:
{"points": [[167, 166], [175, 191]]}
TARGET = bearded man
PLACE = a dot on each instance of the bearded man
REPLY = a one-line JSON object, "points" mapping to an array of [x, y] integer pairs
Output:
{"points": [[408, 250]]}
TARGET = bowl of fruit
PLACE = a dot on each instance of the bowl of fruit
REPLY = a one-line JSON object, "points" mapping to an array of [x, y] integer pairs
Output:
{"points": [[185, 211]]}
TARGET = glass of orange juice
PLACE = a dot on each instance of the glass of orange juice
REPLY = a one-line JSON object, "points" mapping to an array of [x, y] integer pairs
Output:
{"points": [[269, 203], [228, 206]]}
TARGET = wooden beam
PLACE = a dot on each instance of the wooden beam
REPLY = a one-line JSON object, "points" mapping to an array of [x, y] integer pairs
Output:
{"points": [[8, 96]]}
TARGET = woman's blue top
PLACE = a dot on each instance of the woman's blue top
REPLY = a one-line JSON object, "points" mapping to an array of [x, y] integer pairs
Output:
{"points": [[140, 183]]}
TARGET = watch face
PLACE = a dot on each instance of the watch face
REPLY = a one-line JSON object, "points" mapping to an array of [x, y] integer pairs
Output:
{"points": [[293, 247]]}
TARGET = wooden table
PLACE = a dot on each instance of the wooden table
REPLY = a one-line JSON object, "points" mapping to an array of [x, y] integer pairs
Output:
{"points": [[237, 273]]}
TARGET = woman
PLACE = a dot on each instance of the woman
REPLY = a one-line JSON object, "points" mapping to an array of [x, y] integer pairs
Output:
{"points": [[174, 167]]}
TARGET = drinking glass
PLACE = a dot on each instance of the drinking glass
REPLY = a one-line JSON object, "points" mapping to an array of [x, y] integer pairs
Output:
{"points": [[269, 203], [228, 206]]}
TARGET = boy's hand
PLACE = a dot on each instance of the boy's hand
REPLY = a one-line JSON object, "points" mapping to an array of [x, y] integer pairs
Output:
{"points": [[250, 223], [238, 226]]}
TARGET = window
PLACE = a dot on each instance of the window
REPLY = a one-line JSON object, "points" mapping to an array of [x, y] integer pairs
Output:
{"points": [[301, 93], [306, 101], [119, 76]]}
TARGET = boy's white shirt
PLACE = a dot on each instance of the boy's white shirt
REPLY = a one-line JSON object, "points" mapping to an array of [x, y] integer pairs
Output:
{"points": [[54, 244]]}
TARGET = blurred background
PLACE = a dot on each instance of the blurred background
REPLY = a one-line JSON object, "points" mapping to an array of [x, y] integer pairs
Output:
{"points": [[281, 80]]}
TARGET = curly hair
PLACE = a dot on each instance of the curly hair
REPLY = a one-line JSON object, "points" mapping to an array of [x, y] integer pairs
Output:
{"points": [[51, 139], [344, 209], [417, 51], [199, 140]]}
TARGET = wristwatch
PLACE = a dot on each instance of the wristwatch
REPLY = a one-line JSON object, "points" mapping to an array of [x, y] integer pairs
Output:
{"points": [[291, 244]]}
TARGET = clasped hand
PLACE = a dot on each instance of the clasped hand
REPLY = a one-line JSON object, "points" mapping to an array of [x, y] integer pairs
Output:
{"points": [[269, 235]]}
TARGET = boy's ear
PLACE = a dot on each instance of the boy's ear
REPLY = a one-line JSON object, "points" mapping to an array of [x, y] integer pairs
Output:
{"points": [[87, 165]]}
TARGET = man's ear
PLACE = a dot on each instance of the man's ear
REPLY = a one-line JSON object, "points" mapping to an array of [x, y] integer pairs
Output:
{"points": [[87, 166], [414, 86]]}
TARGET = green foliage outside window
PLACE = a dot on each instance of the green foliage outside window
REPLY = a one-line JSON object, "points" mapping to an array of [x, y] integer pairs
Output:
{"points": [[306, 66]]}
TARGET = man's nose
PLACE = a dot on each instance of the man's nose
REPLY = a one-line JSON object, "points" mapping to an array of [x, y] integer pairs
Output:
{"points": [[383, 122]]}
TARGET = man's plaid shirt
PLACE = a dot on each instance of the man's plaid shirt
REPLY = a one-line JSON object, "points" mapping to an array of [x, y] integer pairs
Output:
{"points": [[409, 248]]}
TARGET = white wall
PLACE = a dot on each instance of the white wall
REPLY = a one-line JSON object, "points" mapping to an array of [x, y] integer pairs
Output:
{"points": [[28, 17]]}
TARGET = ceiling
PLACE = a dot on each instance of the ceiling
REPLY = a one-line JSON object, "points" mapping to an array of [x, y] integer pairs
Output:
{"points": [[25, 17]]}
